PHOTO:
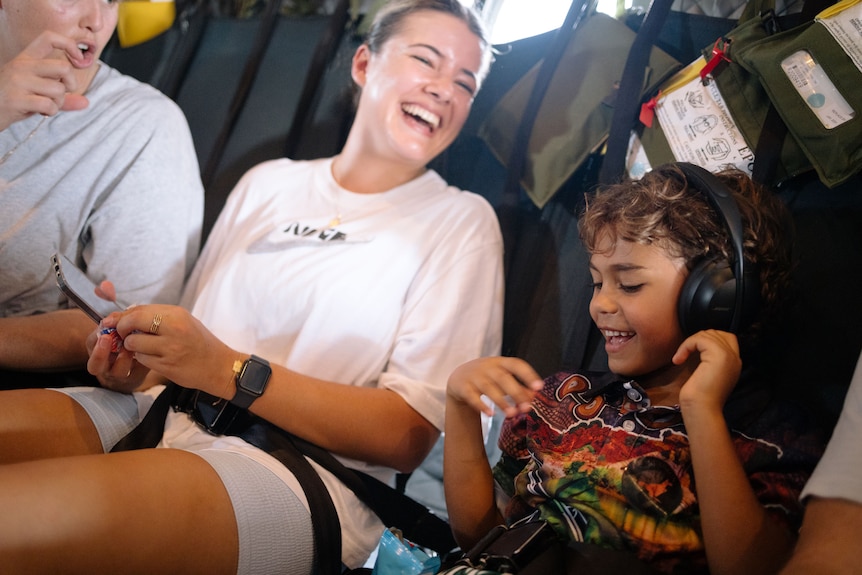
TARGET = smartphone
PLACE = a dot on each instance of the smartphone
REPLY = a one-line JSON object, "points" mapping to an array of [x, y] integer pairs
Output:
{"points": [[80, 289]]}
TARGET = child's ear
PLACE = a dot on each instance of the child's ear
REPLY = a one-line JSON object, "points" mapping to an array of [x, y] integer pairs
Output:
{"points": [[359, 65]]}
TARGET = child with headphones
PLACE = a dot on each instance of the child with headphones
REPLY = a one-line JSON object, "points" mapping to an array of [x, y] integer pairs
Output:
{"points": [[677, 454]]}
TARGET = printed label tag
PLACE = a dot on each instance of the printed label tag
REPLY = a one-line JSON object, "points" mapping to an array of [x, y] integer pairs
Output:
{"points": [[817, 90], [844, 22], [699, 128]]}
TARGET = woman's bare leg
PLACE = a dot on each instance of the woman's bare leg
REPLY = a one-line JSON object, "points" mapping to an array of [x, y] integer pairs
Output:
{"points": [[40, 423], [149, 511]]}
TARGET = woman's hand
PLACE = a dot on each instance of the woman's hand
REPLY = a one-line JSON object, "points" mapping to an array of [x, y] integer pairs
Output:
{"points": [[40, 80], [168, 340], [113, 365], [716, 373], [510, 383], [110, 362]]}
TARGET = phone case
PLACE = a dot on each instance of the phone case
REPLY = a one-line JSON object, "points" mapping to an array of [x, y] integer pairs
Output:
{"points": [[80, 289]]}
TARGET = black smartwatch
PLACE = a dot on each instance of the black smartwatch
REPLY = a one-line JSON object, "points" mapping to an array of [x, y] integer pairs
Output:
{"points": [[251, 381]]}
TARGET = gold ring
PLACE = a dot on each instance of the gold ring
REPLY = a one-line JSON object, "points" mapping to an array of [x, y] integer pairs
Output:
{"points": [[157, 321]]}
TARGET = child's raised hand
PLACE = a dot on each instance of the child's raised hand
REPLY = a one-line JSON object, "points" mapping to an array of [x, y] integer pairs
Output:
{"points": [[509, 382], [717, 372]]}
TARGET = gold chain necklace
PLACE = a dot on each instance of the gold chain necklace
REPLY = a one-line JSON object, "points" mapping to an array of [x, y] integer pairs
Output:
{"points": [[336, 220], [14, 149]]}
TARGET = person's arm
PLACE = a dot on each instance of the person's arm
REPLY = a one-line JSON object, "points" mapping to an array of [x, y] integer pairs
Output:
{"points": [[50, 341], [739, 536], [829, 539], [369, 424], [153, 180], [510, 383]]}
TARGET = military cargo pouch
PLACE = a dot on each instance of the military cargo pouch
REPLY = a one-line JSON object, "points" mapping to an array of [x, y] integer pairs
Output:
{"points": [[812, 76], [713, 113]]}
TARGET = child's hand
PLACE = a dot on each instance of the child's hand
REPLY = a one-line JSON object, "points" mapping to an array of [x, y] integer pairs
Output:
{"points": [[717, 372], [509, 382]]}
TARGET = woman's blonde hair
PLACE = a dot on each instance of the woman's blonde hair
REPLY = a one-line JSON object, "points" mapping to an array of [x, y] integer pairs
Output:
{"points": [[388, 21]]}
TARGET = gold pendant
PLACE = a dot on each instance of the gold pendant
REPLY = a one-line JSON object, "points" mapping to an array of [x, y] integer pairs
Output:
{"points": [[335, 221]]}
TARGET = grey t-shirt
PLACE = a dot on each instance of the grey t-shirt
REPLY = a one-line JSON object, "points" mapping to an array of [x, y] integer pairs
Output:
{"points": [[115, 187]]}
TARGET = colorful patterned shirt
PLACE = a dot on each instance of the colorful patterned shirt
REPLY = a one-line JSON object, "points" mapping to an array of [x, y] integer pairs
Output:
{"points": [[605, 467]]}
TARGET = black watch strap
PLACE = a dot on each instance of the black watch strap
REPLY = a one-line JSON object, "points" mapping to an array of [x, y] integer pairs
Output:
{"points": [[251, 381]]}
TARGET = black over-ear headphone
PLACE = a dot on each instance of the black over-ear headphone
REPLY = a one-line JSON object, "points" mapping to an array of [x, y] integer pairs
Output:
{"points": [[718, 294]]}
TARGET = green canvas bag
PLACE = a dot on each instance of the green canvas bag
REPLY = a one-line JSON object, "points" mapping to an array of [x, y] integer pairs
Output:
{"points": [[812, 76], [575, 115], [749, 70]]}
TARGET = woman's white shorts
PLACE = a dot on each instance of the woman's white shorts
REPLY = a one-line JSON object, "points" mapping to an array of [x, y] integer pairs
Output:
{"points": [[275, 533]]}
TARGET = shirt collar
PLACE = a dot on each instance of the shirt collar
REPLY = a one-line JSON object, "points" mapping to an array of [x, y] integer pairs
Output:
{"points": [[612, 386]]}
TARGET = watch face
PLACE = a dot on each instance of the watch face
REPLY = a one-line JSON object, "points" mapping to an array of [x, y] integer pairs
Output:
{"points": [[254, 376]]}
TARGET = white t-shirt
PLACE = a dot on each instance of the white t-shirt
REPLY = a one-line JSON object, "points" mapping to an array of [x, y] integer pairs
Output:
{"points": [[839, 473], [407, 287]]}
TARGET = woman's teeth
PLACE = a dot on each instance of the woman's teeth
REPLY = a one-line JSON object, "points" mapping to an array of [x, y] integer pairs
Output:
{"points": [[421, 113]]}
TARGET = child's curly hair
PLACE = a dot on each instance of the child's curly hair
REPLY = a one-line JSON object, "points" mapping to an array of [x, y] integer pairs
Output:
{"points": [[663, 209]]}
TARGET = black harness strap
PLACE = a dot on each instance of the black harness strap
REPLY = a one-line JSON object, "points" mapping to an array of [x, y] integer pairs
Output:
{"points": [[149, 431], [525, 252], [508, 213], [629, 93], [393, 508], [324, 518]]}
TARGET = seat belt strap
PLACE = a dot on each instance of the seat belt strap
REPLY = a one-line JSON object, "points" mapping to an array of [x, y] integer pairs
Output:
{"points": [[393, 508], [324, 518], [629, 93]]}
